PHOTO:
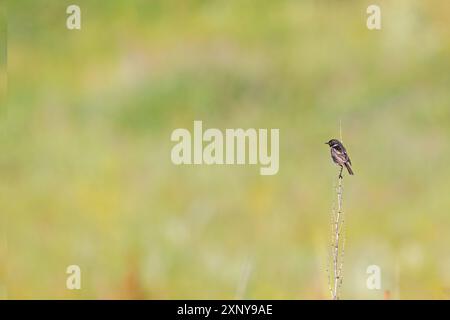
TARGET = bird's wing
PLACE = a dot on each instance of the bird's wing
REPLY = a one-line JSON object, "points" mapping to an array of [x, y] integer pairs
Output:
{"points": [[338, 156], [345, 154], [341, 153]]}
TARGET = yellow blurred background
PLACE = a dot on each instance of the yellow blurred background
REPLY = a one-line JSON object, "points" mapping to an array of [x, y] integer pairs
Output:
{"points": [[86, 175]]}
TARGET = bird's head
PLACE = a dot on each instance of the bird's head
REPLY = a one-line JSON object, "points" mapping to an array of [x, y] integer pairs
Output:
{"points": [[332, 142]]}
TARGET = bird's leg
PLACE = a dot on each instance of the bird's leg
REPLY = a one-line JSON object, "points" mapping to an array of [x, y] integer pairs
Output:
{"points": [[340, 172]]}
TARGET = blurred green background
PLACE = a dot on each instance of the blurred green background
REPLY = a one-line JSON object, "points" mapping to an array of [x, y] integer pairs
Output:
{"points": [[86, 175]]}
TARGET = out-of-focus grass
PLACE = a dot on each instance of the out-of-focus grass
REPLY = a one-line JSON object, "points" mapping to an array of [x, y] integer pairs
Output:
{"points": [[86, 171], [3, 221]]}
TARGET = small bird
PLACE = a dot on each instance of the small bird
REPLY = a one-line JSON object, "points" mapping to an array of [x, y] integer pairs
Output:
{"points": [[340, 156]]}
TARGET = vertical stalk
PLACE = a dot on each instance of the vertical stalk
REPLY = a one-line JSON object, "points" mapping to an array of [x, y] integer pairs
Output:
{"points": [[335, 275], [337, 243]]}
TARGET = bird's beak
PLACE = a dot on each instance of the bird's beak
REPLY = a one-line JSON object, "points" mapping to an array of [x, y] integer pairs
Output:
{"points": [[326, 142]]}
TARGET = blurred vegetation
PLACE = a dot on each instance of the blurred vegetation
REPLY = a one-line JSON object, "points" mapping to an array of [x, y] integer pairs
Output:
{"points": [[86, 176], [3, 221]]}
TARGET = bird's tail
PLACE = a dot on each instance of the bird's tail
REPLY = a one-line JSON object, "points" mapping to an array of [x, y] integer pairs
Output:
{"points": [[349, 169]]}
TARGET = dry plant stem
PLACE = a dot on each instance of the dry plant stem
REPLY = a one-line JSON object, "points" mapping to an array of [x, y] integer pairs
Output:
{"points": [[335, 275], [337, 244], [244, 278]]}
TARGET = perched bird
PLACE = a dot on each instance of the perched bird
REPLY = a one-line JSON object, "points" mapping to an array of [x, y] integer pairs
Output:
{"points": [[339, 155]]}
